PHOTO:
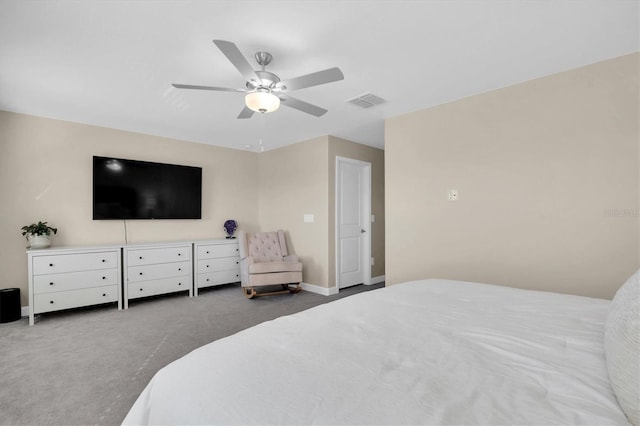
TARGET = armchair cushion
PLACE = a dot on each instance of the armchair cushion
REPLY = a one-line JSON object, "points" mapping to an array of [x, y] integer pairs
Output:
{"points": [[270, 267]]}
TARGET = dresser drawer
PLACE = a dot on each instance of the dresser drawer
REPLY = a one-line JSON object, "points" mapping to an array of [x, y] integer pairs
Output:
{"points": [[217, 250], [74, 280], [74, 262], [73, 298], [217, 278], [208, 265], [152, 288], [158, 255], [164, 270]]}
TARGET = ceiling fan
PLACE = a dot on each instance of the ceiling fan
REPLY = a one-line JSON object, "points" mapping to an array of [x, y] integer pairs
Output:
{"points": [[264, 90]]}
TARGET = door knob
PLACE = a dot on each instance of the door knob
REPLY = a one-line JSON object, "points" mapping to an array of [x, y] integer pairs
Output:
{"points": [[362, 231]]}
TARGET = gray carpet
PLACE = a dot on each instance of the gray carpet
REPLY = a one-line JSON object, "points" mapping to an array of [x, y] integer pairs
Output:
{"points": [[88, 366]]}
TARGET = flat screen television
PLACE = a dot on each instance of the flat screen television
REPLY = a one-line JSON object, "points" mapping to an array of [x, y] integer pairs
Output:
{"points": [[130, 189]]}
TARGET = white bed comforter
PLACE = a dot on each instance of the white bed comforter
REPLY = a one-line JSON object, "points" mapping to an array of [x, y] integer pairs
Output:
{"points": [[423, 352]]}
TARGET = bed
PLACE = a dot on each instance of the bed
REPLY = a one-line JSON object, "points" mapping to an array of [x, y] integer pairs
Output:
{"points": [[422, 352]]}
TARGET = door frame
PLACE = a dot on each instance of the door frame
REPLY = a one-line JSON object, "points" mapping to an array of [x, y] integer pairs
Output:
{"points": [[366, 219]]}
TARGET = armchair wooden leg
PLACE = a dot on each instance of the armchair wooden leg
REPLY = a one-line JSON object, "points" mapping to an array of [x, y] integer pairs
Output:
{"points": [[250, 292]]}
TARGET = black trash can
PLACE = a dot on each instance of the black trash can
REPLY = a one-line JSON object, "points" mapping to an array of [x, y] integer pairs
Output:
{"points": [[10, 304]]}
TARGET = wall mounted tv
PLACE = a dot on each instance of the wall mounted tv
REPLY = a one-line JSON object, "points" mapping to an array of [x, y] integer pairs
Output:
{"points": [[130, 189]]}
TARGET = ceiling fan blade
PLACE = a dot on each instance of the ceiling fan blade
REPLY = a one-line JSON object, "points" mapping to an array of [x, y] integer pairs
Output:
{"points": [[303, 106], [246, 113], [219, 89], [233, 54], [314, 79]]}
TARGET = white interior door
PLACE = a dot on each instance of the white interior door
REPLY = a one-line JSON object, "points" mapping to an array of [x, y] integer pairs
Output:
{"points": [[353, 198]]}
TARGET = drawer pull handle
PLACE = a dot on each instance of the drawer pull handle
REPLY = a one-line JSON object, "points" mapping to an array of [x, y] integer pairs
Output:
{"points": [[51, 301], [104, 278], [179, 269], [207, 279], [104, 294], [51, 264], [50, 283], [141, 290], [236, 275], [140, 273], [207, 251], [179, 283], [236, 263], [140, 257], [207, 266], [179, 254], [104, 260]]}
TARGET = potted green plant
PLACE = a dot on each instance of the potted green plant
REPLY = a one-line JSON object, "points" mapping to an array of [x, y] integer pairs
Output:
{"points": [[38, 234]]}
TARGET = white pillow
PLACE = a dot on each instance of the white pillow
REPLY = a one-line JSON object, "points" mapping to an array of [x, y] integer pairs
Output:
{"points": [[622, 346]]}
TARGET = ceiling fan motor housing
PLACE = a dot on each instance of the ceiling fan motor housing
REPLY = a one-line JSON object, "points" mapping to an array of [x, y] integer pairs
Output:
{"points": [[268, 80]]}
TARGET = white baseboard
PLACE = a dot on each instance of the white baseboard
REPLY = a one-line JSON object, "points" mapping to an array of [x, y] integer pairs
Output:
{"points": [[24, 311], [325, 291], [330, 291], [377, 280]]}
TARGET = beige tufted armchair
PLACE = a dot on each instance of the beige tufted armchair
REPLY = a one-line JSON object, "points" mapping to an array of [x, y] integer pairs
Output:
{"points": [[265, 261]]}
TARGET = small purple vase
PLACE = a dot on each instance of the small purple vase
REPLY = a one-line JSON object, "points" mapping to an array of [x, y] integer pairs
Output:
{"points": [[230, 227]]}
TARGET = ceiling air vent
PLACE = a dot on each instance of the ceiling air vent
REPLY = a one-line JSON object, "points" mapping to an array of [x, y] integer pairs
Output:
{"points": [[366, 101]]}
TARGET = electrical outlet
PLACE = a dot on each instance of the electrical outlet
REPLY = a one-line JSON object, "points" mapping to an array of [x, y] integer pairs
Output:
{"points": [[453, 195]]}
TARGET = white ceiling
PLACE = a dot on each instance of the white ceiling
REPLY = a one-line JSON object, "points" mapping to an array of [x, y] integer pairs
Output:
{"points": [[111, 63]]}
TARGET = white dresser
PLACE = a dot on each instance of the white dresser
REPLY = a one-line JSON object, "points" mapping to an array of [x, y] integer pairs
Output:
{"points": [[152, 269], [71, 277], [217, 262], [64, 278]]}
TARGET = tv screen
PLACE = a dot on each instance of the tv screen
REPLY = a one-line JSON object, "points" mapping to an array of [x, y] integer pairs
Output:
{"points": [[130, 189]]}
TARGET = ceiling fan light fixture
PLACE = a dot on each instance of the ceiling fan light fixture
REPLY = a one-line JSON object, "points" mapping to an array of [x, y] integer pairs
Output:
{"points": [[262, 101]]}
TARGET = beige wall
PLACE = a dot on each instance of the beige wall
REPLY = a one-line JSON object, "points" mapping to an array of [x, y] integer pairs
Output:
{"points": [[344, 148], [548, 177], [46, 174], [293, 182], [299, 179]]}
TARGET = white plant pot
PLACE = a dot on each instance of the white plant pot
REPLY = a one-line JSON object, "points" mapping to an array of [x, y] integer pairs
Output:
{"points": [[39, 241]]}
